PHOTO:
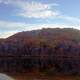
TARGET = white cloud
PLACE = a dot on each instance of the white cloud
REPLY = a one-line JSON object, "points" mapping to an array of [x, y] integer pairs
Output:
{"points": [[9, 28], [37, 10], [39, 14], [40, 26], [33, 9], [7, 25], [7, 34], [70, 18]]}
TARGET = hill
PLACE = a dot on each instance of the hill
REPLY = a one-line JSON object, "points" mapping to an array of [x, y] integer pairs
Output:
{"points": [[52, 50], [47, 33]]}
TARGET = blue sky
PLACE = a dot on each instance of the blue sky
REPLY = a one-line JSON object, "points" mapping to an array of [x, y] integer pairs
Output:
{"points": [[23, 15]]}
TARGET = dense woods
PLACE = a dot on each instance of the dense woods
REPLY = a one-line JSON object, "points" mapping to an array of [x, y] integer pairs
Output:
{"points": [[53, 50]]}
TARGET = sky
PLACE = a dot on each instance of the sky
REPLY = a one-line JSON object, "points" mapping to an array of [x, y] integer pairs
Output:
{"points": [[25, 15]]}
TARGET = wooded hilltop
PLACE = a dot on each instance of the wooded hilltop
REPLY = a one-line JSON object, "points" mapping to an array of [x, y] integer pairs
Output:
{"points": [[53, 50]]}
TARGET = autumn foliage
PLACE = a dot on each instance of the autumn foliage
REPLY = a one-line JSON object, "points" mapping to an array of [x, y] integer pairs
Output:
{"points": [[54, 50]]}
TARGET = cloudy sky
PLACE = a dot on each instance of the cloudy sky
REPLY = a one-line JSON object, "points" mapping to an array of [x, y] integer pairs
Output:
{"points": [[22, 15]]}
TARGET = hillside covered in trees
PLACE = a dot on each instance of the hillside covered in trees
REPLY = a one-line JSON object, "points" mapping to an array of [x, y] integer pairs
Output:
{"points": [[54, 50]]}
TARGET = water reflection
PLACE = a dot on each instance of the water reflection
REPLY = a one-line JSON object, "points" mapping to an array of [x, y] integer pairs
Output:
{"points": [[5, 77]]}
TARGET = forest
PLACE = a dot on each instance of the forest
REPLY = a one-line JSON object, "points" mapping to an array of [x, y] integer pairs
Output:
{"points": [[53, 50]]}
